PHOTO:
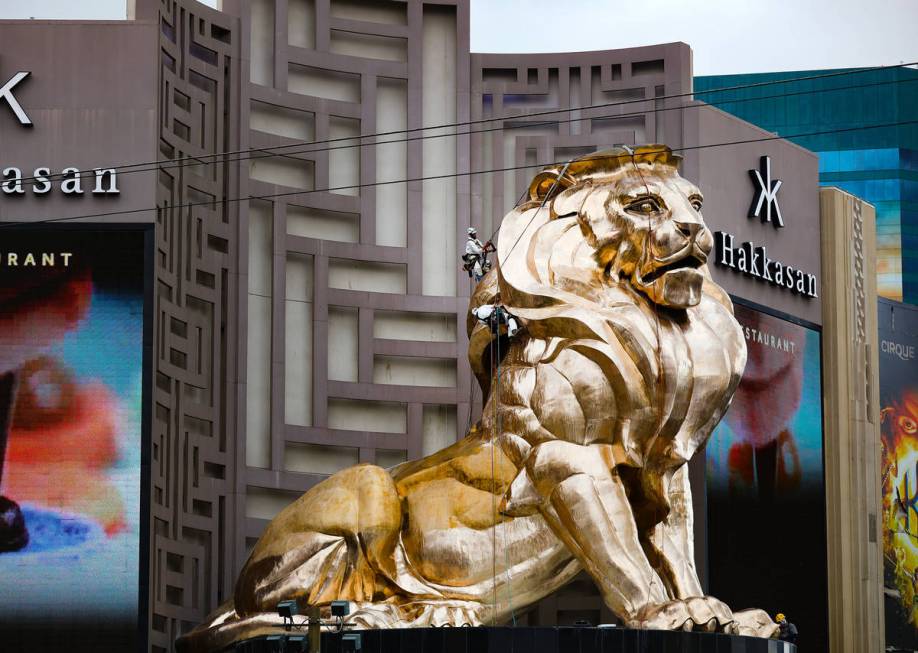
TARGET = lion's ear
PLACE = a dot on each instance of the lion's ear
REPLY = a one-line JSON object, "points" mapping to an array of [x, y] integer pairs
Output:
{"points": [[548, 184]]}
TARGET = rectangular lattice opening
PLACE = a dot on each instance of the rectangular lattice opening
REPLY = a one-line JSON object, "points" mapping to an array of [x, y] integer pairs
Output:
{"points": [[265, 503], [343, 343], [390, 457], [298, 339], [369, 46], [372, 416], [288, 172], [371, 11], [301, 23], [349, 274], [311, 222], [328, 84], [413, 370], [405, 325], [318, 459], [438, 428], [281, 121]]}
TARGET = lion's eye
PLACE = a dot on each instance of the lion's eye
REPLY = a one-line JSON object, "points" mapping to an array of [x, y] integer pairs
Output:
{"points": [[696, 202], [644, 205], [907, 424]]}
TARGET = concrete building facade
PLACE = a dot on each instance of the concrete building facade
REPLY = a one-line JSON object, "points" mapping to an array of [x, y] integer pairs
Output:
{"points": [[315, 165]]}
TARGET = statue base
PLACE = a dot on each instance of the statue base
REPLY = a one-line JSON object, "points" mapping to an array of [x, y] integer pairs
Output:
{"points": [[521, 639]]}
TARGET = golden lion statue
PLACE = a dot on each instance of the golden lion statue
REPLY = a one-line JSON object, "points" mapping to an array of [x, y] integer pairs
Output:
{"points": [[628, 357]]}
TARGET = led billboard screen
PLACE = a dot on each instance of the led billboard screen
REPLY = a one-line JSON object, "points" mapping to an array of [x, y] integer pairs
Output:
{"points": [[898, 326], [72, 412], [765, 481]]}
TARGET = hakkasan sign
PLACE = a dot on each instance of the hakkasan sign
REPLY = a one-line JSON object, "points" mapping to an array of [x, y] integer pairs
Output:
{"points": [[15, 182], [752, 260], [41, 180]]}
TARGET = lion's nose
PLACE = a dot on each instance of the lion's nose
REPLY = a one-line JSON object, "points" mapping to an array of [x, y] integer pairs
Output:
{"points": [[687, 229]]}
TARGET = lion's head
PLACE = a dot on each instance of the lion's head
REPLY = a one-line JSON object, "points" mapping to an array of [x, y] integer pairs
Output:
{"points": [[604, 248], [639, 217]]}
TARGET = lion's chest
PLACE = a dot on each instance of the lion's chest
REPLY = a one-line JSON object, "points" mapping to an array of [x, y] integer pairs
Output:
{"points": [[696, 380], [657, 388]]}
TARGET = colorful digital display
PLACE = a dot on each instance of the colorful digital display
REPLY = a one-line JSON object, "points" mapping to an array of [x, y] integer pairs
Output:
{"points": [[765, 483], [898, 326], [72, 307]]}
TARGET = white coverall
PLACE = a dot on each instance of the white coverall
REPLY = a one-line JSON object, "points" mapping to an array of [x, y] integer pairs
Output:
{"points": [[485, 314], [473, 247]]}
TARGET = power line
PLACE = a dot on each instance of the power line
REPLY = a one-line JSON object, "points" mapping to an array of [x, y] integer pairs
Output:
{"points": [[272, 151], [562, 110], [265, 153], [436, 177]]}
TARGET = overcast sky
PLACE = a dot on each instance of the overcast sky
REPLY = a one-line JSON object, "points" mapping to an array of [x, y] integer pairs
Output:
{"points": [[727, 36]]}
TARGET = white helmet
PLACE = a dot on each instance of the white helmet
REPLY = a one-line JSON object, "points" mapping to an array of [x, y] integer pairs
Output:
{"points": [[472, 231]]}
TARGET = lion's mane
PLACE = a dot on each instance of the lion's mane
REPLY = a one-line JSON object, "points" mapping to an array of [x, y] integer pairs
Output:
{"points": [[547, 275]]}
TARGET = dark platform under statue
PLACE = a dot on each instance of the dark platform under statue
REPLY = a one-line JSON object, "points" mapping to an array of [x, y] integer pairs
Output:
{"points": [[560, 639]]}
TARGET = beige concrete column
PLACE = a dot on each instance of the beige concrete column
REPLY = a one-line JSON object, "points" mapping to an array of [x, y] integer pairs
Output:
{"points": [[852, 424]]}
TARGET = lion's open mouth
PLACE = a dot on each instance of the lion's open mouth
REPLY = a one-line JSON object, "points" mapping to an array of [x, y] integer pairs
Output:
{"points": [[688, 262]]}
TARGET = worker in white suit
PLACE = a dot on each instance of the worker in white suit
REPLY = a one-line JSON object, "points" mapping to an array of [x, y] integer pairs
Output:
{"points": [[476, 255], [493, 315]]}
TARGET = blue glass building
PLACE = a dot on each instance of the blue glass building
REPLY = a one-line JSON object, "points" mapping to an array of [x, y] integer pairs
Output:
{"points": [[877, 164]]}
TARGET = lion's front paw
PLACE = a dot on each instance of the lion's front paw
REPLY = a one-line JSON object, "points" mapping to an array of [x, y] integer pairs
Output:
{"points": [[755, 623], [704, 613]]}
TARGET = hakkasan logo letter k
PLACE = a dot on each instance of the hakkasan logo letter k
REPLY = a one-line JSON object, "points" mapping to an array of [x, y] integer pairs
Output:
{"points": [[765, 203], [6, 94]]}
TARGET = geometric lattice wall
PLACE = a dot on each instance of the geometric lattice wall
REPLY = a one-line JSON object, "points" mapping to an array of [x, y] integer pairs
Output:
{"points": [[193, 429], [521, 89], [354, 328]]}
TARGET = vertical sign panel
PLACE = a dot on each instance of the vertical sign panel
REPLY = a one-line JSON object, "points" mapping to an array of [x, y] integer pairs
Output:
{"points": [[765, 488], [898, 324], [72, 392]]}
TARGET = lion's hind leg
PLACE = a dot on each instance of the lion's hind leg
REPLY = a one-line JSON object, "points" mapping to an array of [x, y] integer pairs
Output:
{"points": [[334, 542]]}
